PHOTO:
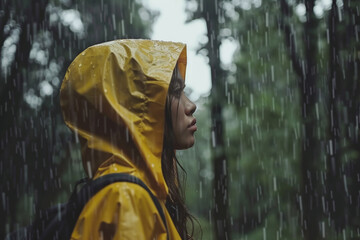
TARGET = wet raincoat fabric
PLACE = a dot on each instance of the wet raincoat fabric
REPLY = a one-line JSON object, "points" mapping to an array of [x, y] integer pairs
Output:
{"points": [[113, 97]]}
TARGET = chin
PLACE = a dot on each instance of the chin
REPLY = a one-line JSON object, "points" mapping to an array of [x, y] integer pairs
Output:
{"points": [[190, 143], [186, 145]]}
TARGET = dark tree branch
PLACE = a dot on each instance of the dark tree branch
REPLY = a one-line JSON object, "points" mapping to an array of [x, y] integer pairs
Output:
{"points": [[286, 12], [3, 21], [13, 89]]}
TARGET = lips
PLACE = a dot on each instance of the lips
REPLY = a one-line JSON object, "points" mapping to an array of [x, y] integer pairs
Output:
{"points": [[193, 122], [192, 126]]}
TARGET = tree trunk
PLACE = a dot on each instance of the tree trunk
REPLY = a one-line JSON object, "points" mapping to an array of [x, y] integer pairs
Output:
{"points": [[307, 72], [335, 193], [349, 94], [220, 184], [310, 155]]}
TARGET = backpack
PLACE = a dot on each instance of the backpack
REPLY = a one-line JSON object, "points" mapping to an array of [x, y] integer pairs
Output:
{"points": [[58, 222]]}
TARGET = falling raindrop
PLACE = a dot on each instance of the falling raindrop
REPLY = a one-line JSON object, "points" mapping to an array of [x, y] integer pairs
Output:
{"points": [[213, 138]]}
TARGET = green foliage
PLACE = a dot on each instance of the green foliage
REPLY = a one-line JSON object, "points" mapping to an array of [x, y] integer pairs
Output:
{"points": [[264, 124], [265, 107]]}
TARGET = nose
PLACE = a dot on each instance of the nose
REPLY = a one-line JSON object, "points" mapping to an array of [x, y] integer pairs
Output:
{"points": [[190, 107]]}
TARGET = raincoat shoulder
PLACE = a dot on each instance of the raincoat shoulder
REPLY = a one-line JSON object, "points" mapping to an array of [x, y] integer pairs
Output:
{"points": [[122, 211]]}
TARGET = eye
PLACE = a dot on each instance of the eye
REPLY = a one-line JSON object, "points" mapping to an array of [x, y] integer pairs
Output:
{"points": [[176, 89], [177, 93]]}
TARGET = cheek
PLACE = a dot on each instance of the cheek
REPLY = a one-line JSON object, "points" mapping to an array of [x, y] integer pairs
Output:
{"points": [[177, 122], [174, 112]]}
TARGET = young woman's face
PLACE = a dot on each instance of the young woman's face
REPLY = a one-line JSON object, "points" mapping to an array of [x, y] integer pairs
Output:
{"points": [[183, 121]]}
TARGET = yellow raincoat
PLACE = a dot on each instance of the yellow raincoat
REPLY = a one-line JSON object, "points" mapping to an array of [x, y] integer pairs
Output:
{"points": [[113, 97]]}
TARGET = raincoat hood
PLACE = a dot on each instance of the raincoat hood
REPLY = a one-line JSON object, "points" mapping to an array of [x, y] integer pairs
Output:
{"points": [[113, 97]]}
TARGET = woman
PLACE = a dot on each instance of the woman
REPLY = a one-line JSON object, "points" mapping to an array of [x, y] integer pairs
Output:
{"points": [[118, 99]]}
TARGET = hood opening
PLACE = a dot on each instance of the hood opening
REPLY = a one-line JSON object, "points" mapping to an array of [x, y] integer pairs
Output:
{"points": [[113, 96]]}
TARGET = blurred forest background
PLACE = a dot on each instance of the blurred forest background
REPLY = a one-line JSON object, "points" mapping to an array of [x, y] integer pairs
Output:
{"points": [[277, 153]]}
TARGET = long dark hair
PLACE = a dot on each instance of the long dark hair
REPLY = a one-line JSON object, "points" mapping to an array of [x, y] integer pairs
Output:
{"points": [[175, 202]]}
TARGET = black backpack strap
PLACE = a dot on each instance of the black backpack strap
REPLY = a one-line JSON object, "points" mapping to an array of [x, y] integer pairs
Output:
{"points": [[78, 200]]}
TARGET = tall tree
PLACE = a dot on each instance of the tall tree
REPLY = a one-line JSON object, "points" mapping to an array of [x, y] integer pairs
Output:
{"points": [[344, 103], [336, 192], [307, 71], [349, 57]]}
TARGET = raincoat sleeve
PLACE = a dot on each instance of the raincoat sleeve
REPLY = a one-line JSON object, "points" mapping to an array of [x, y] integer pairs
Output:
{"points": [[120, 211]]}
